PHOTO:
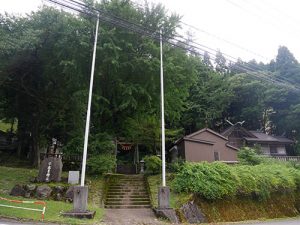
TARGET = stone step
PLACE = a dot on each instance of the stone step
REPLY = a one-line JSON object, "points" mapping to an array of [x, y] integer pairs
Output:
{"points": [[126, 184], [127, 203], [125, 195], [126, 206], [128, 198], [127, 187], [126, 191], [127, 179]]}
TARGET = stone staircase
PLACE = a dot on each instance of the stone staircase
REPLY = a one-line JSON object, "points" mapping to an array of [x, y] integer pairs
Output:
{"points": [[127, 191]]}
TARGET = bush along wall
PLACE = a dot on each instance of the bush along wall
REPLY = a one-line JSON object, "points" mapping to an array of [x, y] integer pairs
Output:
{"points": [[241, 192]]}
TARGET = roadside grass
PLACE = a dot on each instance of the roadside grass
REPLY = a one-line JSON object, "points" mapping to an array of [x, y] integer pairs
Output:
{"points": [[11, 176], [176, 199]]}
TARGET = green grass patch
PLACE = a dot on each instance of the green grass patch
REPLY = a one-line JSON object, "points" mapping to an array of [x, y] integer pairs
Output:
{"points": [[53, 210], [176, 199], [9, 177]]}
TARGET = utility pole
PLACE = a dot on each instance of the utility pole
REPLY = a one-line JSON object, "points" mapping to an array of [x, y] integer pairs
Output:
{"points": [[163, 142], [81, 192], [88, 114], [163, 191]]}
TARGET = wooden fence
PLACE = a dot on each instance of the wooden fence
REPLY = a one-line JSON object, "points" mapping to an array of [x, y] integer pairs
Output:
{"points": [[285, 158], [66, 158]]}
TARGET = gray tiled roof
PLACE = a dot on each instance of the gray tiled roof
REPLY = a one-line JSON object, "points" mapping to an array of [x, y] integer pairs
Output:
{"points": [[262, 137]]}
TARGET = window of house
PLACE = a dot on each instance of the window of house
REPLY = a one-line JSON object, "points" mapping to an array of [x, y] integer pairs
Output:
{"points": [[217, 156], [273, 149]]}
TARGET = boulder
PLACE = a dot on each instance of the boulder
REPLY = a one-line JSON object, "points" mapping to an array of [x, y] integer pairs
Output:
{"points": [[33, 180], [18, 190], [58, 197], [59, 189], [30, 187], [192, 213], [70, 194], [27, 195], [43, 192]]}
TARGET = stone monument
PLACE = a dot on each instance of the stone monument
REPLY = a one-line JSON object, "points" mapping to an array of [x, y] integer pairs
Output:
{"points": [[51, 166], [73, 177]]}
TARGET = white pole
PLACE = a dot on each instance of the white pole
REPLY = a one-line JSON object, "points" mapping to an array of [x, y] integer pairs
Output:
{"points": [[163, 151], [88, 114]]}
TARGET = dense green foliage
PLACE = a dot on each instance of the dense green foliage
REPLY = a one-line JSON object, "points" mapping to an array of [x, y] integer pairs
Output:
{"points": [[218, 180], [248, 156], [44, 77], [213, 181], [152, 164], [102, 163]]}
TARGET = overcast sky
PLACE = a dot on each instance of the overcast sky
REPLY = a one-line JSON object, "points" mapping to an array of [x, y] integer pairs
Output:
{"points": [[241, 28]]}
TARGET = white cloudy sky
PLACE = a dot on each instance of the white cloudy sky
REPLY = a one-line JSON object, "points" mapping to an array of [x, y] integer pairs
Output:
{"points": [[258, 27]]}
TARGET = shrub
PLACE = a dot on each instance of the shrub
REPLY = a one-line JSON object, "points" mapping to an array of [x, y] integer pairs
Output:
{"points": [[217, 180], [153, 164], [212, 181], [103, 163], [175, 166], [248, 156]]}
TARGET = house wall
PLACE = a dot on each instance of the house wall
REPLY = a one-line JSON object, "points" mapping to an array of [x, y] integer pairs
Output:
{"points": [[266, 149], [281, 150], [195, 152], [207, 151]]}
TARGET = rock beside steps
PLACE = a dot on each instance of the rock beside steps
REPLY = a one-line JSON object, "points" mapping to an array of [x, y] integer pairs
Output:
{"points": [[127, 191]]}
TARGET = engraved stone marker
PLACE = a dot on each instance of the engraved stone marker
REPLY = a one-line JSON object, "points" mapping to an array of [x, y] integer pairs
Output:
{"points": [[73, 177]]}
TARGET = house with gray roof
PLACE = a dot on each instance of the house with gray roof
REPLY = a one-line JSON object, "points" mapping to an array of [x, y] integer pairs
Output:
{"points": [[238, 136]]}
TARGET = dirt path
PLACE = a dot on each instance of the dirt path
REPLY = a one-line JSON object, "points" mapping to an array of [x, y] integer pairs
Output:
{"points": [[131, 217]]}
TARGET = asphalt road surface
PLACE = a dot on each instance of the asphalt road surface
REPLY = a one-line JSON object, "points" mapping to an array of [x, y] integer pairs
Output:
{"points": [[295, 221]]}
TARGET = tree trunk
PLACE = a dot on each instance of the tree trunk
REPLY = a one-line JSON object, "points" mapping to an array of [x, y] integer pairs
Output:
{"points": [[21, 138], [35, 157]]}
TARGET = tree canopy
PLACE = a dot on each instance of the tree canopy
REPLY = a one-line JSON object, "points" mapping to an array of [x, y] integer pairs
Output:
{"points": [[45, 62]]}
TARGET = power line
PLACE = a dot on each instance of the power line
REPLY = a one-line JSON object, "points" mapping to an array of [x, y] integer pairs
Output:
{"points": [[188, 47], [226, 41], [269, 21], [217, 37]]}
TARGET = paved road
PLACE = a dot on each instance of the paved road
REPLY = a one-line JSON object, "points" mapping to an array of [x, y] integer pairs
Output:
{"points": [[15, 222], [130, 217], [278, 222]]}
